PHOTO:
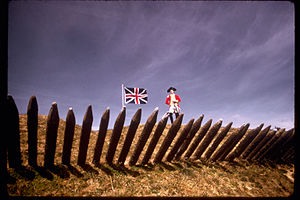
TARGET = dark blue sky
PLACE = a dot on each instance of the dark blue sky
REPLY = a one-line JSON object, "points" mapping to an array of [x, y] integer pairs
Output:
{"points": [[230, 60]]}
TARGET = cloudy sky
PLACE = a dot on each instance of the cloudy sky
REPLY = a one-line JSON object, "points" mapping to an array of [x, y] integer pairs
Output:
{"points": [[230, 60]]}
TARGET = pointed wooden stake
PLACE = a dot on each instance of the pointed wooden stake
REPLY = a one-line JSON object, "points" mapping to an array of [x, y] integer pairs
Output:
{"points": [[158, 132], [68, 137], [115, 137], [101, 136], [51, 136], [189, 137], [168, 139], [32, 126], [135, 121], [217, 141], [144, 137], [207, 139], [198, 139], [85, 136], [180, 140]]}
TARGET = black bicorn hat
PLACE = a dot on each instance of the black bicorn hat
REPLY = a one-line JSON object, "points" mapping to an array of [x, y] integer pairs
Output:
{"points": [[171, 88]]}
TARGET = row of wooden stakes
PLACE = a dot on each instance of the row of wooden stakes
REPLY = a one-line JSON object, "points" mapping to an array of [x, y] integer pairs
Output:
{"points": [[250, 145]]}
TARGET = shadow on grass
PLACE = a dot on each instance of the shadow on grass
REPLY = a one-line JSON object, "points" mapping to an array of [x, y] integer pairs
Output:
{"points": [[9, 179], [74, 171], [126, 171], [192, 164], [105, 169], [44, 172], [164, 166], [25, 172], [147, 167], [178, 165], [115, 169], [61, 171], [167, 166], [89, 168]]}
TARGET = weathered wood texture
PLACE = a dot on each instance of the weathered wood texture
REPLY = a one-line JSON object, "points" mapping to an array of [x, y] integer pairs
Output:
{"points": [[68, 137], [135, 121], [198, 139], [32, 127], [196, 126], [51, 136], [101, 136], [85, 136], [180, 140], [207, 139], [115, 137], [168, 139], [217, 141], [158, 132], [143, 137]]}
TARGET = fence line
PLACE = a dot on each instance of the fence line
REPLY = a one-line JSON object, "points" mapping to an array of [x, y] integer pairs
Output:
{"points": [[207, 139], [143, 137], [244, 143], [189, 137], [217, 141], [168, 139], [180, 140], [255, 142], [205, 143], [158, 132]]}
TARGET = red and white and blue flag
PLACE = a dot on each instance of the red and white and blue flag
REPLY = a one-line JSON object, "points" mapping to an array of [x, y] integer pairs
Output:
{"points": [[135, 95]]}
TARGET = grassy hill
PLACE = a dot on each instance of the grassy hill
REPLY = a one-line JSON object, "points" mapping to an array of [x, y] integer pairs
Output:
{"points": [[183, 178]]}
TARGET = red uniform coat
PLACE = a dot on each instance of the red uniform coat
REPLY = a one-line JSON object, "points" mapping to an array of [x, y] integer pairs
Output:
{"points": [[168, 100]]}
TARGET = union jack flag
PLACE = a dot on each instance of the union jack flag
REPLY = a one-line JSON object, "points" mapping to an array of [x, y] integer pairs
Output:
{"points": [[135, 95]]}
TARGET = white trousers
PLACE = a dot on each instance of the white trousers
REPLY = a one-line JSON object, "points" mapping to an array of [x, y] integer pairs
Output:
{"points": [[174, 109]]}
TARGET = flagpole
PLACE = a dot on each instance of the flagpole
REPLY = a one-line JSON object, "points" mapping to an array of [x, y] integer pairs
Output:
{"points": [[123, 96]]}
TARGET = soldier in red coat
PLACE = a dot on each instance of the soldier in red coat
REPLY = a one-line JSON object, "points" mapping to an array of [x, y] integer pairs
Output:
{"points": [[172, 100]]}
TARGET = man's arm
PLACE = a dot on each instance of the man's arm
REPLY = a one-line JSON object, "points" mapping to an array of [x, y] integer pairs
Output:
{"points": [[168, 100], [178, 98]]}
